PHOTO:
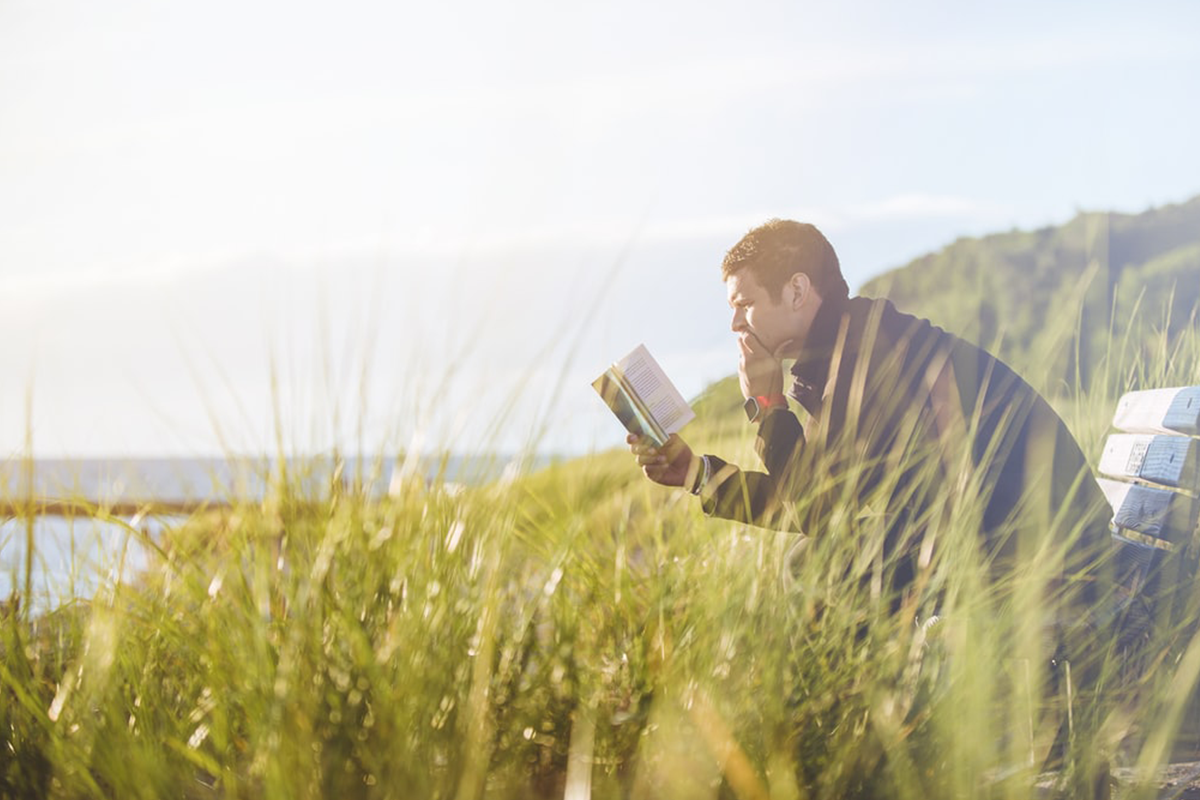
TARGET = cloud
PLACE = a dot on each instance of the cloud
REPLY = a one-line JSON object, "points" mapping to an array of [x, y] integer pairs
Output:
{"points": [[484, 244]]}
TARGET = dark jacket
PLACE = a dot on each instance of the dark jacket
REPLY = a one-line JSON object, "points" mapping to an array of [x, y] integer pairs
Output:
{"points": [[896, 407]]}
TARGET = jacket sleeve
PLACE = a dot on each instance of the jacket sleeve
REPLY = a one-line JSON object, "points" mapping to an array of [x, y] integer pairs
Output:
{"points": [[753, 497]]}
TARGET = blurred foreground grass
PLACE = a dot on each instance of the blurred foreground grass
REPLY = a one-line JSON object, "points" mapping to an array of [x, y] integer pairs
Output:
{"points": [[570, 633]]}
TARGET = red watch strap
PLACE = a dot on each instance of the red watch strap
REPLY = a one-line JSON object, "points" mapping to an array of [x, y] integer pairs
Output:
{"points": [[771, 400]]}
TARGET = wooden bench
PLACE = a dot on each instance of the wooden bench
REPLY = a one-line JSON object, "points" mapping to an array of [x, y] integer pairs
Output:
{"points": [[1152, 469]]}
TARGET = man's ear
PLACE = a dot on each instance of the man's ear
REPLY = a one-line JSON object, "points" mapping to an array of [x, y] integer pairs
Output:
{"points": [[801, 290]]}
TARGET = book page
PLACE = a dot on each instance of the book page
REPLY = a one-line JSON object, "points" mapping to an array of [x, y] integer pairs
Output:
{"points": [[655, 390]]}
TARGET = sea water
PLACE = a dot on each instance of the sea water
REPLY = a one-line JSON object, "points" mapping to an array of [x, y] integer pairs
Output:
{"points": [[74, 557]]}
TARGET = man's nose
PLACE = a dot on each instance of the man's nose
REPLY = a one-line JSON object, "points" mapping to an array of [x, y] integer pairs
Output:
{"points": [[738, 323]]}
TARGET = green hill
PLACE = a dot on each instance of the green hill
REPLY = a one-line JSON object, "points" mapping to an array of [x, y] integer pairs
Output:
{"points": [[1050, 301]]}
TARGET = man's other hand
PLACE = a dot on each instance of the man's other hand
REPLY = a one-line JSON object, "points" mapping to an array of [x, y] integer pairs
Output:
{"points": [[671, 465], [760, 371]]}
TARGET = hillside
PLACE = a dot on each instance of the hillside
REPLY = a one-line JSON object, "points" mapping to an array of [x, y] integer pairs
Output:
{"points": [[1041, 298]]}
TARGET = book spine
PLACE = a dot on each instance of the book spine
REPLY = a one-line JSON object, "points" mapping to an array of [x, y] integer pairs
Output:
{"points": [[643, 412]]}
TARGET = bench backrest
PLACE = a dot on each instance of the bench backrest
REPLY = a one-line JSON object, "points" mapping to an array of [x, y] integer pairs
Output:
{"points": [[1152, 469]]}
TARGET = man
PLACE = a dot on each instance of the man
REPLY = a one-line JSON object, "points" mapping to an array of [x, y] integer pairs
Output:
{"points": [[895, 408], [911, 438]]}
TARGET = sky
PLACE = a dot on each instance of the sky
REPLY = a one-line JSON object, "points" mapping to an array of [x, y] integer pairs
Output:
{"points": [[238, 227]]}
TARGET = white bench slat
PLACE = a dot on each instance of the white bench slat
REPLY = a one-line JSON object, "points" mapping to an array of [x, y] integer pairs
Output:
{"points": [[1124, 454], [1164, 460], [1160, 411]]}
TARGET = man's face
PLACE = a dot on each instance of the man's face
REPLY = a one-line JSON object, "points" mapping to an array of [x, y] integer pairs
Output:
{"points": [[757, 313]]}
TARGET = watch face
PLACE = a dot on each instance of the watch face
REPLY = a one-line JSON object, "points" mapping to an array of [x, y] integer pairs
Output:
{"points": [[751, 406]]}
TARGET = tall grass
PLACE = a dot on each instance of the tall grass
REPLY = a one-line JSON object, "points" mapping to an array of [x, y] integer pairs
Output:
{"points": [[573, 632]]}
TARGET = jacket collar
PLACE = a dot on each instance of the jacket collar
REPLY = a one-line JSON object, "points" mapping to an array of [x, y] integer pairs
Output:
{"points": [[811, 369]]}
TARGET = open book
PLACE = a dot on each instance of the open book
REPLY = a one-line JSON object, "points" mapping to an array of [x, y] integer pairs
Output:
{"points": [[643, 397]]}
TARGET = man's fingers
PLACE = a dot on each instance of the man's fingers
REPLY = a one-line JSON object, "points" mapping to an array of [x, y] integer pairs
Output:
{"points": [[639, 446], [660, 464], [646, 451], [749, 345]]}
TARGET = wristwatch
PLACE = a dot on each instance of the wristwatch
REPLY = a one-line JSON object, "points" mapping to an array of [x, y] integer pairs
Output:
{"points": [[757, 406]]}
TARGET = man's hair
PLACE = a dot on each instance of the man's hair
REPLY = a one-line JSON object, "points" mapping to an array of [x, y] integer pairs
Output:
{"points": [[778, 249]]}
